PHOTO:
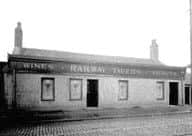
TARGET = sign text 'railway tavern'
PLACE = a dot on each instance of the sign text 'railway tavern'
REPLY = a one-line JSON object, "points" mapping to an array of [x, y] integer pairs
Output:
{"points": [[97, 69]]}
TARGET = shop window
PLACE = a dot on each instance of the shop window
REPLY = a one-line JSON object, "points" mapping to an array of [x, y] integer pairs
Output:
{"points": [[123, 90], [75, 89], [47, 89], [160, 87]]}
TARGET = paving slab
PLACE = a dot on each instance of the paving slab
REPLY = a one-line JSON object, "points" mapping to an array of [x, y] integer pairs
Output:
{"points": [[91, 114]]}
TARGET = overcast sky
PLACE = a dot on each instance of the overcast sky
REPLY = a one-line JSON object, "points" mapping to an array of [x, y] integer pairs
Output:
{"points": [[107, 27]]}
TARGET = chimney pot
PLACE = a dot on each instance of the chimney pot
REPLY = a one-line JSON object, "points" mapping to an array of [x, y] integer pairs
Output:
{"points": [[154, 51], [18, 39]]}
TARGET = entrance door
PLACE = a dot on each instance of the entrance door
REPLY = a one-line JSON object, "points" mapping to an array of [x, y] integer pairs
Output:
{"points": [[173, 93], [92, 93], [187, 94], [190, 90]]}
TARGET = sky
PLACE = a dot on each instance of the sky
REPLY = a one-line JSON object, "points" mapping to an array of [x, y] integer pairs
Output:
{"points": [[104, 27]]}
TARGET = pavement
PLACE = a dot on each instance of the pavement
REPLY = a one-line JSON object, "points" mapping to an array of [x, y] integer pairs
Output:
{"points": [[90, 114], [167, 125]]}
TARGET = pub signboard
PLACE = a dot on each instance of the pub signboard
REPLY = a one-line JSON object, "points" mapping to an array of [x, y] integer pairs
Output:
{"points": [[100, 69]]}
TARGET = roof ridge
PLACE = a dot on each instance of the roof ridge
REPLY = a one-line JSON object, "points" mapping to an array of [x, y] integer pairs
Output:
{"points": [[81, 57], [78, 53]]}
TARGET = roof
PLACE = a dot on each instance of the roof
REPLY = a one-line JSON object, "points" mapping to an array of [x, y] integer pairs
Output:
{"points": [[80, 57]]}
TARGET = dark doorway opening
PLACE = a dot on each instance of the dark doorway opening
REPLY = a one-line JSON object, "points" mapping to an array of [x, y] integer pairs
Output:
{"points": [[190, 90], [187, 95], [173, 93], [92, 93]]}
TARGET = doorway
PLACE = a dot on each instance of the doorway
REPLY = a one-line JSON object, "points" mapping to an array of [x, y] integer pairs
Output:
{"points": [[92, 93], [187, 95], [173, 93]]}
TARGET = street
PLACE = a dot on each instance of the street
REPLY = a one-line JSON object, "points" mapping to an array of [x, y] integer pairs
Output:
{"points": [[168, 125]]}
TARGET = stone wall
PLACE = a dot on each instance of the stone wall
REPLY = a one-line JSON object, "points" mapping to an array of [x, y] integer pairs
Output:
{"points": [[141, 92]]}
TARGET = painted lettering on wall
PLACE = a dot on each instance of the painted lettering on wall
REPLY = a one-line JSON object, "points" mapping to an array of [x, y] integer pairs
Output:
{"points": [[86, 69], [33, 66], [39, 66], [128, 71]]}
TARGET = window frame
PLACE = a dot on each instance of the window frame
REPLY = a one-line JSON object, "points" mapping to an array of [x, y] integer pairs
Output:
{"points": [[53, 90], [127, 90], [163, 90], [70, 89]]}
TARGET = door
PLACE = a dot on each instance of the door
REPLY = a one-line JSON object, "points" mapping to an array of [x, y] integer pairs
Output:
{"points": [[173, 93], [190, 90], [92, 93], [187, 95]]}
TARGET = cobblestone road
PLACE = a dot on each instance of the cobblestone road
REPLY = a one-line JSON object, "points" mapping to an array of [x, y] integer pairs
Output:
{"points": [[172, 125]]}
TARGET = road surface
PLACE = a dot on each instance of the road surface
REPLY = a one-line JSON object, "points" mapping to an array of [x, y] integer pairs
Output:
{"points": [[169, 125]]}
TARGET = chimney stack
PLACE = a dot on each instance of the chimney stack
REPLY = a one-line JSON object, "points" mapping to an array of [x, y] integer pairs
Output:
{"points": [[154, 51], [18, 39]]}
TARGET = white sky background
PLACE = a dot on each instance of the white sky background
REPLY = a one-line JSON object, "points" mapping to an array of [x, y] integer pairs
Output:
{"points": [[107, 27]]}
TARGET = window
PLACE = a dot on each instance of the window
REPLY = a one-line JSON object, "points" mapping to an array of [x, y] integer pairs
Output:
{"points": [[47, 89], [123, 90], [75, 89], [160, 90]]}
